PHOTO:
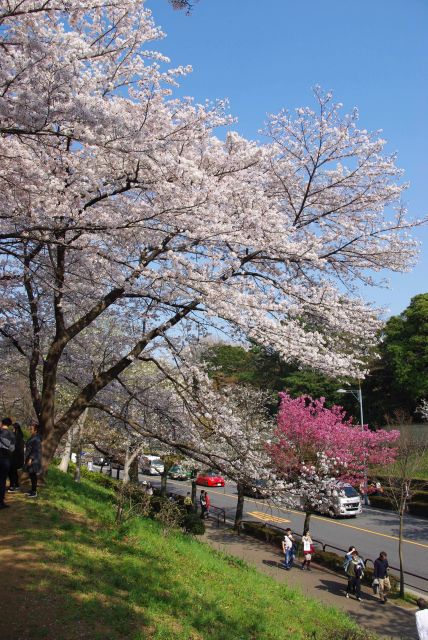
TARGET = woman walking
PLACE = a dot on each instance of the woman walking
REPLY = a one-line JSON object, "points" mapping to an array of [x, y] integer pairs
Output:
{"points": [[308, 549], [355, 572], [33, 459], [17, 458]]}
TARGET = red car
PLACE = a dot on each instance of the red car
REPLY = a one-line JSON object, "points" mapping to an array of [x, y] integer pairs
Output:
{"points": [[210, 479]]}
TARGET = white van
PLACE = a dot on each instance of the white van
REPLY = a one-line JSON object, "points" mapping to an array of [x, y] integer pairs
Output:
{"points": [[151, 465], [345, 502]]}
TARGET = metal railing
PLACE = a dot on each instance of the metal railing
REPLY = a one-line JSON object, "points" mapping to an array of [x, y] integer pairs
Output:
{"points": [[220, 514]]}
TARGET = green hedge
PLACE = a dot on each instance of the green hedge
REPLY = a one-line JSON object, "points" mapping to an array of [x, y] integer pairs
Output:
{"points": [[416, 507], [98, 478], [263, 532]]}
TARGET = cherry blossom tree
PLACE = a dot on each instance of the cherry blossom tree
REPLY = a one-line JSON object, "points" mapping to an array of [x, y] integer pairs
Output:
{"points": [[316, 447], [422, 409], [180, 412], [119, 204]]}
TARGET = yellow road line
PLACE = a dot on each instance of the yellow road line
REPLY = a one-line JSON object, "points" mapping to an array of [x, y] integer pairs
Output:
{"points": [[266, 517], [328, 520]]}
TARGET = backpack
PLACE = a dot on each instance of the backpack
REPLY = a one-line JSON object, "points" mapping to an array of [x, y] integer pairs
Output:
{"points": [[359, 573]]}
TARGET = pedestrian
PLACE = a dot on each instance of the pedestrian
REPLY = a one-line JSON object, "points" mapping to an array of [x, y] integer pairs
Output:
{"points": [[288, 549], [203, 504], [188, 503], [348, 557], [422, 619], [379, 488], [90, 465], [7, 447], [207, 505], [381, 575], [33, 458], [355, 572], [308, 550], [17, 458]]}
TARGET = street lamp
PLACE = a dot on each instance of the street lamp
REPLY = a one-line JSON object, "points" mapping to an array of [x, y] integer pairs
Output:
{"points": [[359, 396]]}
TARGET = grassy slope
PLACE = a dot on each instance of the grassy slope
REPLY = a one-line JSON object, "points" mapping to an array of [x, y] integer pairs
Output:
{"points": [[135, 583]]}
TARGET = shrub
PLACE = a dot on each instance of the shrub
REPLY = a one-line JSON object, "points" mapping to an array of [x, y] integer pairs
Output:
{"points": [[169, 515], [193, 524], [132, 501]]}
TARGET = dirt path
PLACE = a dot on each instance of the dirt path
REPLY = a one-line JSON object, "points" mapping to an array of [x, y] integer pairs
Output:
{"points": [[29, 609]]}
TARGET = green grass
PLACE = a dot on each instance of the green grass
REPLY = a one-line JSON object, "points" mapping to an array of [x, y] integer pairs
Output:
{"points": [[133, 582]]}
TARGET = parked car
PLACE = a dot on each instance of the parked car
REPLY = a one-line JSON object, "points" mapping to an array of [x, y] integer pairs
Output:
{"points": [[210, 479], [178, 472], [117, 465], [101, 461], [151, 465], [256, 488]]}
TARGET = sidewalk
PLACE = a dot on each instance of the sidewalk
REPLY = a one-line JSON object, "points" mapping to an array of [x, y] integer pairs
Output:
{"points": [[386, 620]]}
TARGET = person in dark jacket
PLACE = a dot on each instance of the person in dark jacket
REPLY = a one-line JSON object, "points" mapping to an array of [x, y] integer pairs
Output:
{"points": [[33, 459], [354, 572], [381, 575], [7, 447], [17, 458]]}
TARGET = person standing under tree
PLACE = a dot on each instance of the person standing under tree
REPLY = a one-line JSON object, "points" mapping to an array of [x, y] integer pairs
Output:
{"points": [[287, 547], [7, 447], [17, 458], [355, 572], [203, 504], [207, 504], [33, 458], [381, 575], [188, 503], [308, 549]]}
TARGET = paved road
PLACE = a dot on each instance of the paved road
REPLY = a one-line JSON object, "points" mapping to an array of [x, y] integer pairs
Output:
{"points": [[373, 531]]}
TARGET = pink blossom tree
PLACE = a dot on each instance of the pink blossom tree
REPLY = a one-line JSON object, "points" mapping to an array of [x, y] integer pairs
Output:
{"points": [[316, 447], [120, 205]]}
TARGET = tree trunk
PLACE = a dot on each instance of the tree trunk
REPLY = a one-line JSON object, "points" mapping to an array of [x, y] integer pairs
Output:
{"points": [[79, 427], [195, 506], [164, 475], [50, 442], [126, 467], [63, 465], [133, 471], [307, 523], [400, 550], [239, 506]]}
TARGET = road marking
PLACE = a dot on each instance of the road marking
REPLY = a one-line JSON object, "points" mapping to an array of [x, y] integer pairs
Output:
{"points": [[266, 517], [328, 520]]}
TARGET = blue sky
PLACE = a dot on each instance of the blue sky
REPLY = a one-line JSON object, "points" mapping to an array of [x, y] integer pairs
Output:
{"points": [[265, 55]]}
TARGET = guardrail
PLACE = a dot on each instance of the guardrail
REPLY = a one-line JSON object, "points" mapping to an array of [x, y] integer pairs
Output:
{"points": [[220, 513], [325, 545]]}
